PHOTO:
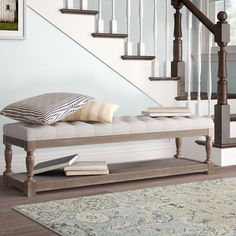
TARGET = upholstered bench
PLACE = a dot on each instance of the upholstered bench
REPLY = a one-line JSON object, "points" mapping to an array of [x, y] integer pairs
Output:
{"points": [[122, 129]]}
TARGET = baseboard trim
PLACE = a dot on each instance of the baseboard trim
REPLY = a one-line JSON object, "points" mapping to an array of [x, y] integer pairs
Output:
{"points": [[220, 156]]}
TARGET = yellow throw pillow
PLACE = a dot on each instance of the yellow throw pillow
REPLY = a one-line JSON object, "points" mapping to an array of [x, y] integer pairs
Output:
{"points": [[94, 111]]}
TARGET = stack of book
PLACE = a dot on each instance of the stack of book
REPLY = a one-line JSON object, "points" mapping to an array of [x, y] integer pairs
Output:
{"points": [[55, 164], [87, 168], [166, 111], [71, 166]]}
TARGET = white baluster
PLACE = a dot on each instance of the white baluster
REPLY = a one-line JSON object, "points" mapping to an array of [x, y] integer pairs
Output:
{"points": [[100, 22], [141, 45], [83, 4], [167, 62], [128, 43], [155, 63], [113, 22], [199, 62], [209, 81], [189, 59], [69, 4]]}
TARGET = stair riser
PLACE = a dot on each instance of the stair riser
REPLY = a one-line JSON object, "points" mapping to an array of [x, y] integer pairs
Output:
{"points": [[233, 129], [204, 106]]}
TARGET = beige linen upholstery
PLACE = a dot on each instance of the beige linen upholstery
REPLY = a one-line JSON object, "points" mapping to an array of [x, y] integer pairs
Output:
{"points": [[120, 125]]}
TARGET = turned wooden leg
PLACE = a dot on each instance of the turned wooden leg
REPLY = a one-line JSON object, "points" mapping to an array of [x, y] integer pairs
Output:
{"points": [[8, 159], [178, 143], [208, 155], [30, 183]]}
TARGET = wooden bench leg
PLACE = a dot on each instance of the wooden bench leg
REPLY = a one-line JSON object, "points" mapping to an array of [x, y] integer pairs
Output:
{"points": [[8, 159], [30, 183], [208, 155], [178, 143]]}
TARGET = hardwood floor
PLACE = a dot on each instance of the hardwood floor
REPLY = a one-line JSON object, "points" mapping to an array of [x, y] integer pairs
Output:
{"points": [[13, 223]]}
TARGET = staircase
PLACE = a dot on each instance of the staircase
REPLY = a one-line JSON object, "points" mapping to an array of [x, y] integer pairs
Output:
{"points": [[107, 47], [114, 49]]}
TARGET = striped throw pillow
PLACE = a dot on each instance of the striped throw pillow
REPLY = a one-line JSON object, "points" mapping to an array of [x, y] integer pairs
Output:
{"points": [[46, 108], [94, 111]]}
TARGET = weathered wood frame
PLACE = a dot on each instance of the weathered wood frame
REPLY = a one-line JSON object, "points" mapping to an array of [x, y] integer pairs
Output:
{"points": [[30, 186]]}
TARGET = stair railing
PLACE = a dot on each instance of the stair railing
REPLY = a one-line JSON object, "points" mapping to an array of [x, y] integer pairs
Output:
{"points": [[113, 21], [167, 30], [69, 4], [199, 61], [178, 65], [189, 59], [100, 22], [141, 45], [128, 43], [221, 32]]}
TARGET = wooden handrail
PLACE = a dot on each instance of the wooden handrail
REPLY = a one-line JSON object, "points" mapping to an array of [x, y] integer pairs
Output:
{"points": [[221, 32], [203, 18]]}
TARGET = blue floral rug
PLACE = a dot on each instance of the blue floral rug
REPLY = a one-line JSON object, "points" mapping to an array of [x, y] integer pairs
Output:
{"points": [[196, 209]]}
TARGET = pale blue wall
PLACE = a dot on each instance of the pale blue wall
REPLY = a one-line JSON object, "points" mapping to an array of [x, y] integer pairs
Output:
{"points": [[48, 61]]}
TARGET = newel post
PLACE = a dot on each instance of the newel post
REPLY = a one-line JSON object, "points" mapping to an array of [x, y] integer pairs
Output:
{"points": [[222, 109], [177, 65]]}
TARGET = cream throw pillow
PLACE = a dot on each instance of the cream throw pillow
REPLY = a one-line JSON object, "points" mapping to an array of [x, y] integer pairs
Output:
{"points": [[94, 111]]}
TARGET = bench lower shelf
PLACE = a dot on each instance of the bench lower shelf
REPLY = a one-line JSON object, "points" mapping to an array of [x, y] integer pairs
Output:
{"points": [[118, 173]]}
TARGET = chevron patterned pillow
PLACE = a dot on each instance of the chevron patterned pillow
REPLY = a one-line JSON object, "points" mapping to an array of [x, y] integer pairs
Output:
{"points": [[47, 108]]}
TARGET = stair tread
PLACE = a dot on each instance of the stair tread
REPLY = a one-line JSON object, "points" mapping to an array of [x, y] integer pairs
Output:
{"points": [[109, 35], [134, 57], [232, 117], [204, 96], [163, 78], [78, 11]]}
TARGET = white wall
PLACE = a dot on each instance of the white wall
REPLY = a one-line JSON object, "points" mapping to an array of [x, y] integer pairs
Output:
{"points": [[48, 61]]}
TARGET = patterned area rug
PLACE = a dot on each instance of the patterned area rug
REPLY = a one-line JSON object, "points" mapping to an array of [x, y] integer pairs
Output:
{"points": [[196, 209]]}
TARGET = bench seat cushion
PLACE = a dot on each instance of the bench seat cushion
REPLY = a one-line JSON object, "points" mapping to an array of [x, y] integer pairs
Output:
{"points": [[120, 125]]}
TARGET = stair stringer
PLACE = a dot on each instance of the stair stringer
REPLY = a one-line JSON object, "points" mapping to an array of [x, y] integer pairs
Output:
{"points": [[80, 27]]}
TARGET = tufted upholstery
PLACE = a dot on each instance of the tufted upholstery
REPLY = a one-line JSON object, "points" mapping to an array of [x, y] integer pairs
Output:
{"points": [[120, 125]]}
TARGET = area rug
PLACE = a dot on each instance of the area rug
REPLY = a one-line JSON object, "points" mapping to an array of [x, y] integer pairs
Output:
{"points": [[196, 209]]}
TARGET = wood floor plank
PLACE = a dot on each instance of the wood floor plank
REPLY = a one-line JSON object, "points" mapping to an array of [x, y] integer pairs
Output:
{"points": [[12, 223]]}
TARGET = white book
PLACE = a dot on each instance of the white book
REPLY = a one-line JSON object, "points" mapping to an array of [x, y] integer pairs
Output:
{"points": [[168, 114], [55, 164], [168, 109], [86, 172], [87, 165]]}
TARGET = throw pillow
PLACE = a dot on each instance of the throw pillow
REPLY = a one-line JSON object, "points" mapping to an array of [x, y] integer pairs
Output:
{"points": [[94, 111], [46, 108]]}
